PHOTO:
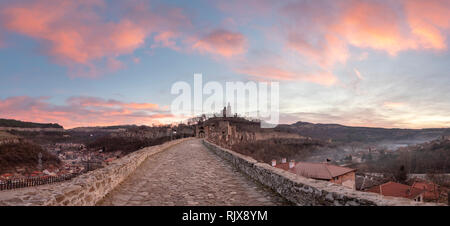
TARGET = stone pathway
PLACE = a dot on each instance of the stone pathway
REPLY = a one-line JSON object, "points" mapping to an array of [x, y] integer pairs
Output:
{"points": [[189, 174]]}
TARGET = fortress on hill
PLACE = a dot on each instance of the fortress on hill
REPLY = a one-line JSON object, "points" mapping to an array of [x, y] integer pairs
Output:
{"points": [[229, 129]]}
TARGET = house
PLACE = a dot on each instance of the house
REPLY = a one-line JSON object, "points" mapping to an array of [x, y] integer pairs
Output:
{"points": [[320, 171], [394, 189], [431, 190]]}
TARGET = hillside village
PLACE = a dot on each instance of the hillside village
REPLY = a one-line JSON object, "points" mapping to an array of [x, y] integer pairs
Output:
{"points": [[62, 153], [366, 168], [317, 159]]}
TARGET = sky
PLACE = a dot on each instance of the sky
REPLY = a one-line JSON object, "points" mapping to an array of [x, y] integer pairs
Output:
{"points": [[109, 62]]}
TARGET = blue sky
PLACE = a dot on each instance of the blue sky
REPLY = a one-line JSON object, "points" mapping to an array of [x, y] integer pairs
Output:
{"points": [[362, 63]]}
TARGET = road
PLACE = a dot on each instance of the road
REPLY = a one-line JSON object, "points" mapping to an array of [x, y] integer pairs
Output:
{"points": [[188, 174]]}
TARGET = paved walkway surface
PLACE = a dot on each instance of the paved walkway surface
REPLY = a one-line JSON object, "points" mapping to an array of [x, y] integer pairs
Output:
{"points": [[189, 174]]}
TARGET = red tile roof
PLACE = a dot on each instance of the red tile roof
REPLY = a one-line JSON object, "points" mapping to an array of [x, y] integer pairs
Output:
{"points": [[396, 190], [430, 188], [322, 171], [284, 166]]}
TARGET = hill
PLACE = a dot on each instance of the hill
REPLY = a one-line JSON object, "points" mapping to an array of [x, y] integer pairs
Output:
{"points": [[25, 155], [341, 133], [277, 148], [429, 157], [137, 137], [21, 124], [104, 128]]}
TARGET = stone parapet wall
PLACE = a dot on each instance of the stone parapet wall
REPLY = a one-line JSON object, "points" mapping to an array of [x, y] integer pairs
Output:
{"points": [[86, 189], [304, 191]]}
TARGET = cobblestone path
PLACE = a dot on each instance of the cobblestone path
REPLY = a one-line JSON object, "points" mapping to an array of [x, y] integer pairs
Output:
{"points": [[189, 174]]}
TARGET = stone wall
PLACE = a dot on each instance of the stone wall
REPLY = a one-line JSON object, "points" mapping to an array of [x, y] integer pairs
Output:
{"points": [[229, 131], [305, 191], [86, 189]]}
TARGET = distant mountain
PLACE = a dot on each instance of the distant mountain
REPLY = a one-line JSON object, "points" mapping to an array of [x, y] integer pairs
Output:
{"points": [[343, 133], [115, 127], [21, 124]]}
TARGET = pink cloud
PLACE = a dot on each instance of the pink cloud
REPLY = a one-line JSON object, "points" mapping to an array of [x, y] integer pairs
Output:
{"points": [[75, 34], [99, 102], [269, 65], [222, 42], [372, 25], [323, 32], [428, 20], [274, 73], [366, 24], [166, 39], [325, 53], [82, 111]]}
